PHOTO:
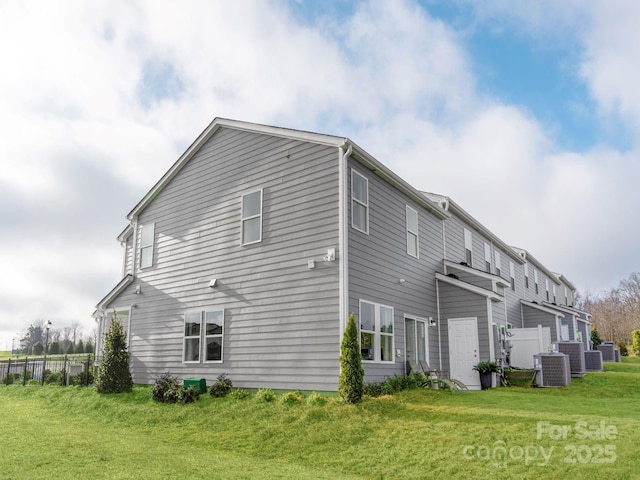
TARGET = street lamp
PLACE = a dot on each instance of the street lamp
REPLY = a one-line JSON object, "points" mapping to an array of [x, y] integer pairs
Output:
{"points": [[47, 326]]}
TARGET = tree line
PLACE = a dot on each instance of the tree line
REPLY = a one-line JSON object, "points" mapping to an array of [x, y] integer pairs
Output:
{"points": [[615, 313], [34, 339]]}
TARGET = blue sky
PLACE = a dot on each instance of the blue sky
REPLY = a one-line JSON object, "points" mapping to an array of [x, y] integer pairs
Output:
{"points": [[525, 113]]}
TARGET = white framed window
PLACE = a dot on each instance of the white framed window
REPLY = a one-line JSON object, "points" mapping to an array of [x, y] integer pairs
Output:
{"points": [[498, 263], [412, 232], [359, 202], [512, 275], [487, 257], [468, 247], [147, 236], [416, 339], [252, 217], [535, 280], [203, 336], [566, 296], [526, 275], [376, 332], [192, 334], [546, 288], [553, 291]]}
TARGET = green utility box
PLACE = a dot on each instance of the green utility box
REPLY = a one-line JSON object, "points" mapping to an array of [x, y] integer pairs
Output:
{"points": [[201, 383]]}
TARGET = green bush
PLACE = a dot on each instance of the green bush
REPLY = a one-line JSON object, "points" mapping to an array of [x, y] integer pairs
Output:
{"points": [[26, 375], [221, 387], [114, 375], [85, 377], [8, 378], [52, 377], [351, 380], [624, 352], [265, 395], [315, 399], [595, 338], [163, 384], [635, 342], [373, 389], [239, 394], [291, 398], [189, 395]]}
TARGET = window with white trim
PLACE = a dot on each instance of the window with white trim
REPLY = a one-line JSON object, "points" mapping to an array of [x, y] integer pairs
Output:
{"points": [[487, 257], [203, 335], [566, 296], [468, 247], [512, 275], [412, 232], [147, 235], [535, 280], [498, 263], [553, 291], [546, 288], [252, 217], [376, 332], [359, 202], [526, 275]]}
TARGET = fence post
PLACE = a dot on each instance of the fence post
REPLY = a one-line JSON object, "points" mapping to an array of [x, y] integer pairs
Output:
{"points": [[24, 371], [65, 374], [8, 372]]}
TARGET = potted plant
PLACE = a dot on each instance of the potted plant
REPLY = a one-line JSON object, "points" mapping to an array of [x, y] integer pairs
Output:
{"points": [[486, 369]]}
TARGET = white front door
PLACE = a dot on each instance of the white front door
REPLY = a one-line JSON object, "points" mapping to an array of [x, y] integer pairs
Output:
{"points": [[464, 350]]}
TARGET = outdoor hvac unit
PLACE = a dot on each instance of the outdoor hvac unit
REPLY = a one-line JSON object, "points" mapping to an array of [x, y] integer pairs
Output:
{"points": [[552, 369], [608, 351], [593, 360], [575, 350]]}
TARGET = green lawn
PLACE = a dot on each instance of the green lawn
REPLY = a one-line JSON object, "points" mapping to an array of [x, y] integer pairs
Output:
{"points": [[55, 432]]}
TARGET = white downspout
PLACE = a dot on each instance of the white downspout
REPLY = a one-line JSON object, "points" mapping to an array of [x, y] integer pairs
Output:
{"points": [[439, 323], [343, 267], [134, 245]]}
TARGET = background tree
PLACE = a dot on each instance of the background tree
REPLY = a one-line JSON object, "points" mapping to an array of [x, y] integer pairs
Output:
{"points": [[351, 380], [635, 342], [54, 348], [37, 348], [595, 338], [114, 375], [71, 349], [79, 347], [88, 347], [32, 335]]}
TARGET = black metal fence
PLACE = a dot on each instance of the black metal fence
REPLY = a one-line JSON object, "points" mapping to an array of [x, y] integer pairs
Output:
{"points": [[56, 369]]}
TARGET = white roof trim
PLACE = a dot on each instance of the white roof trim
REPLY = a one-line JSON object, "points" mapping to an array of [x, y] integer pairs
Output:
{"points": [[126, 233], [489, 276], [565, 280], [117, 290], [560, 308], [541, 308], [527, 257], [470, 288]]}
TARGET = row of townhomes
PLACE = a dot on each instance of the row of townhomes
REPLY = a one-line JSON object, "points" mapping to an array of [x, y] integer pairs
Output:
{"points": [[248, 256]]}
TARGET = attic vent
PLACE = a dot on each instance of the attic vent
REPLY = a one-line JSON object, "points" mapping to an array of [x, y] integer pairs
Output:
{"points": [[452, 276], [465, 264]]}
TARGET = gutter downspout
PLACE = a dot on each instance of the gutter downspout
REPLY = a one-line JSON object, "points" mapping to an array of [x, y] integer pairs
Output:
{"points": [[343, 267]]}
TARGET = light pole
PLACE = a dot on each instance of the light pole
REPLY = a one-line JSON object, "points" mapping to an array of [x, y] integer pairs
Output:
{"points": [[47, 326]]}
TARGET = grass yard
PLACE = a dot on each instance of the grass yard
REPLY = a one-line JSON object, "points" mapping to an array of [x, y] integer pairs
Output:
{"points": [[589, 430]]}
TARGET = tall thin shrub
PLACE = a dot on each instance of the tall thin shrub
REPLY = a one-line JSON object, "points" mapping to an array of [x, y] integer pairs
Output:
{"points": [[635, 342], [351, 380], [114, 375], [595, 338]]}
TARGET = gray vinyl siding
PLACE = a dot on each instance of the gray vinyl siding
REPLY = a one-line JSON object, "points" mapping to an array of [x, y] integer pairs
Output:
{"points": [[378, 261], [458, 303], [534, 317], [512, 299], [281, 325], [128, 256]]}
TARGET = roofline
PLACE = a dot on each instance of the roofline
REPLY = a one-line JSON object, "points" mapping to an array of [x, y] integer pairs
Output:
{"points": [[560, 308], [469, 287], [489, 276], [208, 132], [126, 233], [394, 179], [527, 257], [565, 280], [541, 308], [122, 284], [466, 216]]}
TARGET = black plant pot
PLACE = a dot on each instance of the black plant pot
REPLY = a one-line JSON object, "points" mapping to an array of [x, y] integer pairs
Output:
{"points": [[485, 380]]}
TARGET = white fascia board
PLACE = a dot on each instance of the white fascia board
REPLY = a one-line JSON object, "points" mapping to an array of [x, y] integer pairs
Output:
{"points": [[472, 222], [124, 283], [560, 308], [541, 308], [527, 257], [472, 271], [126, 233], [364, 158], [470, 288], [208, 132], [565, 280]]}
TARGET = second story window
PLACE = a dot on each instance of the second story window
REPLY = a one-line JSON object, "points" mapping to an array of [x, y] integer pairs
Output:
{"points": [[566, 296], [468, 247], [147, 236], [554, 293], [546, 288], [526, 275], [412, 232], [359, 202], [535, 280], [498, 264], [512, 275], [487, 257], [252, 217]]}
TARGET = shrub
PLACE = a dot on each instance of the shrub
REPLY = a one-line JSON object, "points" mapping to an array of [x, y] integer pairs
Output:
{"points": [[239, 394], [221, 387], [52, 377], [291, 398], [316, 399], [373, 389], [189, 395], [265, 395], [37, 348], [26, 375], [114, 375], [85, 377], [624, 352], [595, 338], [8, 378], [635, 342], [163, 384], [351, 380]]}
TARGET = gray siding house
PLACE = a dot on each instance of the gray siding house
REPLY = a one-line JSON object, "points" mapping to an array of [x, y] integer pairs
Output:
{"points": [[249, 254]]}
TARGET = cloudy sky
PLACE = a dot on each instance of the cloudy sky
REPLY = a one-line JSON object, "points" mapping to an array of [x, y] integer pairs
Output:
{"points": [[525, 113]]}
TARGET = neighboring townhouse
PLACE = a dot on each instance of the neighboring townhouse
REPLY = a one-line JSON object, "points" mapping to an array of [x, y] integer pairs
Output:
{"points": [[249, 254]]}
